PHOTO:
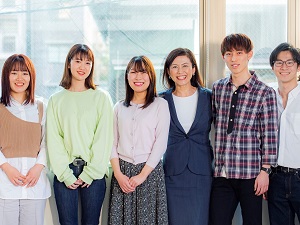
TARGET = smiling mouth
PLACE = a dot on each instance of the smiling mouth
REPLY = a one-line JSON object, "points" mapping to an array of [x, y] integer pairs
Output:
{"points": [[181, 77], [81, 73], [19, 84], [138, 83]]}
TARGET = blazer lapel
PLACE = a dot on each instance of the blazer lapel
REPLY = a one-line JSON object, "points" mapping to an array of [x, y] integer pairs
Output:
{"points": [[200, 107], [169, 98]]}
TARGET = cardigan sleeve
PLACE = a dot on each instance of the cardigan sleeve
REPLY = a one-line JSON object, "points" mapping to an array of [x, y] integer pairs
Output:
{"points": [[161, 133]]}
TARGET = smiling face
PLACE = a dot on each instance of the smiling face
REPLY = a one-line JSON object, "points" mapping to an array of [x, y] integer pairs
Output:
{"points": [[284, 73], [237, 61], [19, 82], [80, 68], [181, 71], [138, 79]]}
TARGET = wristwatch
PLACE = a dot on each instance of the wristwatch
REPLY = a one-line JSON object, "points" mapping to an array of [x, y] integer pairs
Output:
{"points": [[267, 170]]}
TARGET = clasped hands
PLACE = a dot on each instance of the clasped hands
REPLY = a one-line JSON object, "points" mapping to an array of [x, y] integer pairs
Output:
{"points": [[127, 184], [78, 183], [18, 179]]}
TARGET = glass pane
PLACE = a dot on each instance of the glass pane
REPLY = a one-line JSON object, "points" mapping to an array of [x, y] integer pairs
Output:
{"points": [[265, 22], [116, 30]]}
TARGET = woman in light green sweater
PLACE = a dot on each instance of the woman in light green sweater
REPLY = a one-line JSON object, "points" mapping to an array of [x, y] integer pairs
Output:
{"points": [[79, 139]]}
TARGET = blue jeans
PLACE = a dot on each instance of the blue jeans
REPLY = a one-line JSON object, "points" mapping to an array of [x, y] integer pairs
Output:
{"points": [[91, 201], [284, 198]]}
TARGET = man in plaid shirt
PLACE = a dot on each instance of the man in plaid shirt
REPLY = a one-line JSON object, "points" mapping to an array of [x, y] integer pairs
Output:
{"points": [[245, 119]]}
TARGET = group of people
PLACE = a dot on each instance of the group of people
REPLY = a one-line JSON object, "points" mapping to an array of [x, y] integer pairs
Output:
{"points": [[255, 142]]}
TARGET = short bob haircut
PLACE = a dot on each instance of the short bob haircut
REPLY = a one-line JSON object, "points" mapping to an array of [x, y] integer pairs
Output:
{"points": [[285, 47], [238, 42], [196, 79], [141, 63], [17, 62], [83, 52]]}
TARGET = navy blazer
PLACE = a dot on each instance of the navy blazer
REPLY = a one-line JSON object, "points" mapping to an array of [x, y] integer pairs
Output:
{"points": [[192, 149]]}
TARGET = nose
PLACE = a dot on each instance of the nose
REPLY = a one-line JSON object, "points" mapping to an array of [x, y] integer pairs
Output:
{"points": [[284, 66], [19, 76], [138, 75], [233, 58], [179, 70]]}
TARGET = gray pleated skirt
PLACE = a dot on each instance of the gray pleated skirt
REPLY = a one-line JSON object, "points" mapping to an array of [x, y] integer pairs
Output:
{"points": [[147, 205]]}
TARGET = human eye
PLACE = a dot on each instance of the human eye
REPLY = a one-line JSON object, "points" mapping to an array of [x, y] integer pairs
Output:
{"points": [[228, 53], [174, 67], [89, 63], [290, 62], [25, 73], [132, 71], [278, 63], [13, 72]]}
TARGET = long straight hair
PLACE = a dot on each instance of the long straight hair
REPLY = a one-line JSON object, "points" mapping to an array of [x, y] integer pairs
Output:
{"points": [[17, 62]]}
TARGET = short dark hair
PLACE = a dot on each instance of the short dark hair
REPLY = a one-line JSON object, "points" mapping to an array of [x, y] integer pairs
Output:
{"points": [[83, 51], [285, 47], [17, 62], [141, 63], [196, 80], [238, 42]]}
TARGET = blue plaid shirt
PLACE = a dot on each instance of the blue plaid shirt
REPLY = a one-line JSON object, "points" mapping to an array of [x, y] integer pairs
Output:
{"points": [[251, 139]]}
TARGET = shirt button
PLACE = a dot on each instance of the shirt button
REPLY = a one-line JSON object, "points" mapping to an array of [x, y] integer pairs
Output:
{"points": [[235, 92], [230, 119], [232, 106]]}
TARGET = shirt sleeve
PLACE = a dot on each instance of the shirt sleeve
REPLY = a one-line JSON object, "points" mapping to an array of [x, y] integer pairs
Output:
{"points": [[114, 152], [269, 128], [161, 135], [2, 158], [102, 143], [42, 158], [58, 156]]}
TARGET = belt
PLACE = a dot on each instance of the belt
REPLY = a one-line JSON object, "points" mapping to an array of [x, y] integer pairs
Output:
{"points": [[79, 162], [283, 169]]}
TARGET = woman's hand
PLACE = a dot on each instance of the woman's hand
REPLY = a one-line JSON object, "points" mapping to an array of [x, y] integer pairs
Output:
{"points": [[137, 180], [15, 177], [75, 185], [33, 175], [124, 183], [83, 184]]}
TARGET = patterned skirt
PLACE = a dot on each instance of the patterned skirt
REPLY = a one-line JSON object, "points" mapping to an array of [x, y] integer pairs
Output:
{"points": [[147, 205]]}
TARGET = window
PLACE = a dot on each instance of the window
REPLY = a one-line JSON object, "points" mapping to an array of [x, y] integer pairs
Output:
{"points": [[265, 22], [9, 44], [115, 30]]}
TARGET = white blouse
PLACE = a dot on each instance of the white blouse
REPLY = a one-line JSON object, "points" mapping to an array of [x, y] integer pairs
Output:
{"points": [[42, 189]]}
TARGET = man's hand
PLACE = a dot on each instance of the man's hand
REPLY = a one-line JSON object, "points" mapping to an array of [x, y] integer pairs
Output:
{"points": [[261, 184]]}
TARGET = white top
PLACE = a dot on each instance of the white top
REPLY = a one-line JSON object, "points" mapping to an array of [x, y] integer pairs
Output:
{"points": [[42, 189], [186, 110], [141, 135], [289, 129]]}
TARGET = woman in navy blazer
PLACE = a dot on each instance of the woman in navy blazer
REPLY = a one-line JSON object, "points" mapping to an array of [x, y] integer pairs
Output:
{"points": [[188, 158]]}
